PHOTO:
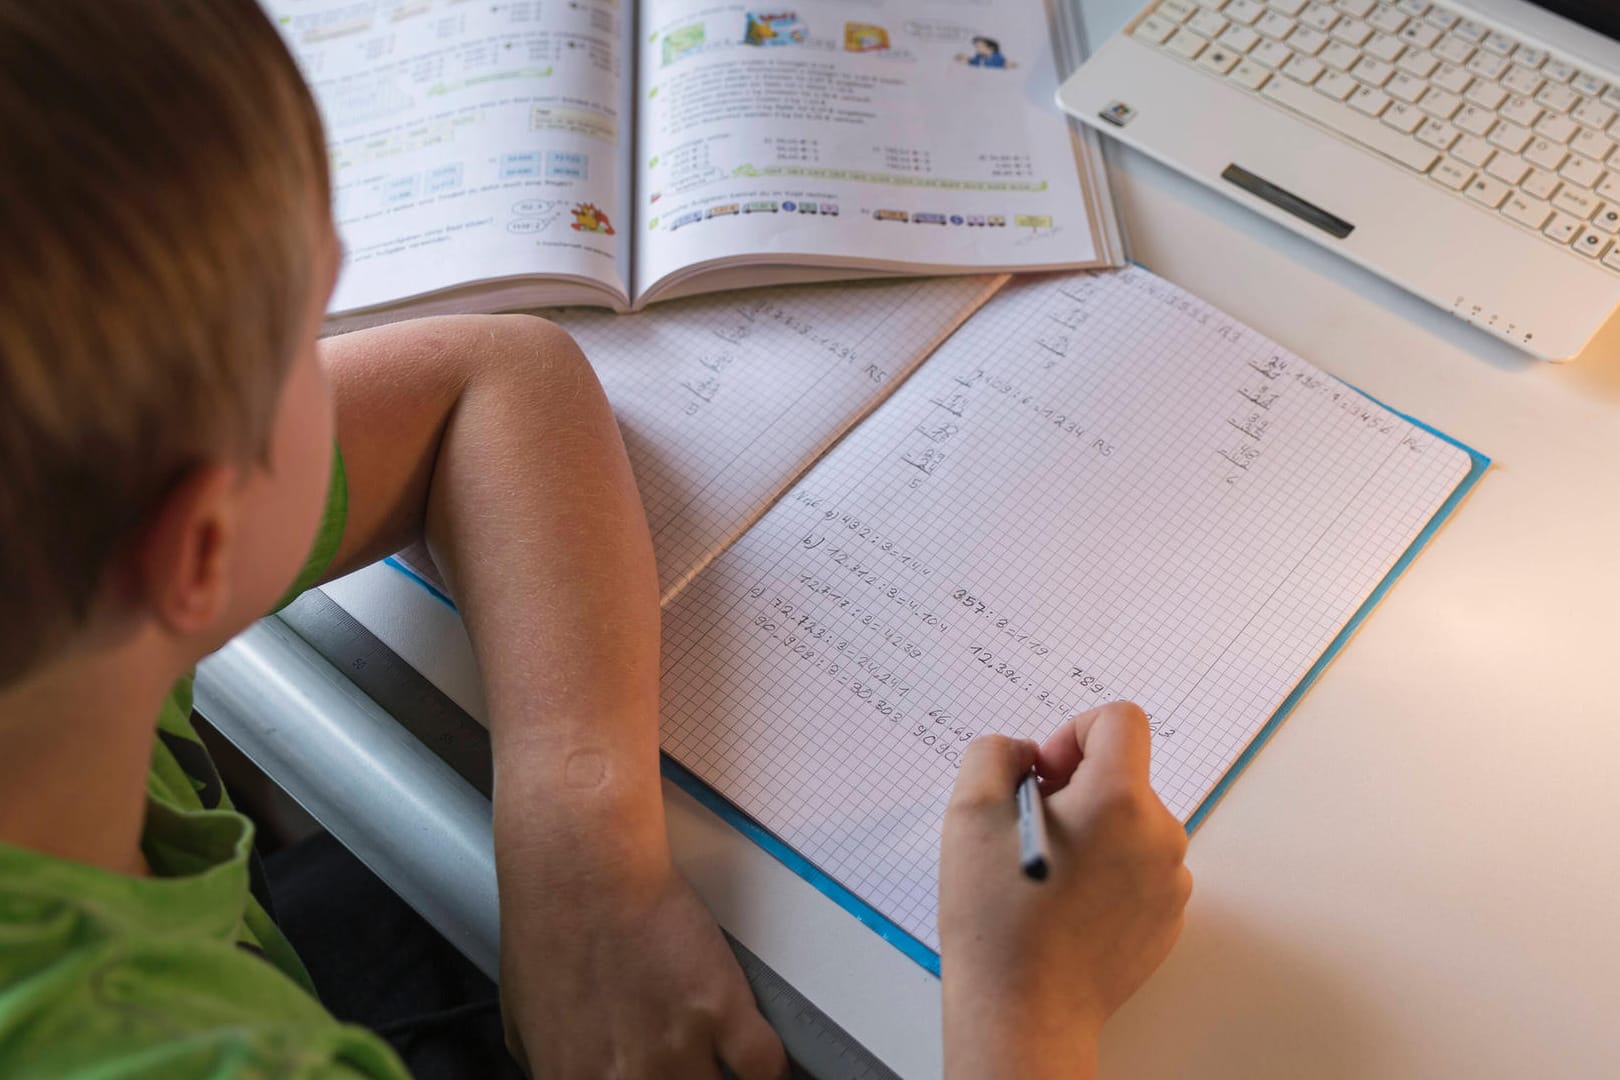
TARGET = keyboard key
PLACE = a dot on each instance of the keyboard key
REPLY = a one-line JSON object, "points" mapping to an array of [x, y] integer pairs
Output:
{"points": [[1387, 19], [1487, 95], [1510, 137], [1530, 58], [1592, 145], [1453, 50], [1541, 184], [1521, 80], [1591, 243], [1558, 71], [1239, 38], [1508, 167], [1559, 129], [1207, 23], [1546, 154], [1336, 85], [1353, 32], [1500, 44], [1186, 43], [1451, 78], [1452, 174], [1319, 16], [1612, 259], [1576, 202], [1155, 28], [1471, 31], [1270, 54], [1474, 120], [1594, 114], [1402, 87], [1177, 10], [1305, 69], [1419, 63], [1403, 117], [1488, 191], [1385, 48], [1609, 187], [1441, 19], [1351, 124], [1274, 25], [1218, 58], [1338, 56], [1306, 41], [1562, 227], [1250, 74], [1487, 65], [1558, 97], [1244, 11], [1608, 219], [1290, 8], [1440, 104], [1582, 171], [1520, 110], [1611, 97], [1532, 213], [1415, 8], [1419, 35], [1357, 8], [1590, 85], [1370, 101], [1439, 134], [1472, 150], [1373, 72]]}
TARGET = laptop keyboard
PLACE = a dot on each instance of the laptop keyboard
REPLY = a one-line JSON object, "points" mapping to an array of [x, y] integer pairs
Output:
{"points": [[1493, 119]]}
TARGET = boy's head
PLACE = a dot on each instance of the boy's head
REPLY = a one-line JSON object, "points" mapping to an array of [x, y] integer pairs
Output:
{"points": [[986, 46], [167, 252]]}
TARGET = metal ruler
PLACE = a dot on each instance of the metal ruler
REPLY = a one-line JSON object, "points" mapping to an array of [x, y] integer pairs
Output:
{"points": [[817, 1046]]}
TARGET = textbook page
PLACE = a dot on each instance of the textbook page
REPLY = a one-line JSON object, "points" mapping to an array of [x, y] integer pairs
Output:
{"points": [[1100, 488], [915, 134], [724, 401], [472, 142]]}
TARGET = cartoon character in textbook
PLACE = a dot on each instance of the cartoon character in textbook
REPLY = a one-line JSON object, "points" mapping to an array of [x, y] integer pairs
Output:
{"points": [[986, 53], [587, 218]]}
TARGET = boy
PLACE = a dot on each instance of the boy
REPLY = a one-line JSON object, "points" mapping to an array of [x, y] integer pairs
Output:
{"points": [[178, 451]]}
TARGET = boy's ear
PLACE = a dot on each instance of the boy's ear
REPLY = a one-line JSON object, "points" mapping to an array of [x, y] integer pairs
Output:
{"points": [[184, 558]]}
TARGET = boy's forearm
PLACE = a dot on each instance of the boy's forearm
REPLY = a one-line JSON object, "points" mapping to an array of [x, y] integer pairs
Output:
{"points": [[534, 517]]}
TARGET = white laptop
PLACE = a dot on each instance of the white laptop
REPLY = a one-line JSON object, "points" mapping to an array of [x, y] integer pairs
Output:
{"points": [[1465, 150]]}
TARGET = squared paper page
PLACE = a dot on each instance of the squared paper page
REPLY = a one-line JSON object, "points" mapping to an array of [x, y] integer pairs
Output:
{"points": [[723, 401], [1099, 488]]}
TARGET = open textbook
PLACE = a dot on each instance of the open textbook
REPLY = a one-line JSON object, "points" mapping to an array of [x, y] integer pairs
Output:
{"points": [[522, 153], [1098, 487]]}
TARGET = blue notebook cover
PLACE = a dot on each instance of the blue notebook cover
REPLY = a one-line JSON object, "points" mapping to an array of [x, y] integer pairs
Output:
{"points": [[911, 946]]}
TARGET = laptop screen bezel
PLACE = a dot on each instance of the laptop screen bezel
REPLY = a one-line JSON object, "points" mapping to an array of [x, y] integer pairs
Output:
{"points": [[1602, 16]]}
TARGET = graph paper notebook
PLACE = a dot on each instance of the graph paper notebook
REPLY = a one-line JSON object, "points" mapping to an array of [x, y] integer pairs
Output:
{"points": [[1099, 487]]}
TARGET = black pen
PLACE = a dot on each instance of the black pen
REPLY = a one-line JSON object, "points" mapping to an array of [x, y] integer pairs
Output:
{"points": [[1032, 855]]}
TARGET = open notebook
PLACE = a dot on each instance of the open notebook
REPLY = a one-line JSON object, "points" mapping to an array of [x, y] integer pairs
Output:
{"points": [[1099, 487]]}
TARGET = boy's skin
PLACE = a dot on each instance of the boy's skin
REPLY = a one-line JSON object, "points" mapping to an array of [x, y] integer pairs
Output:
{"points": [[491, 436]]}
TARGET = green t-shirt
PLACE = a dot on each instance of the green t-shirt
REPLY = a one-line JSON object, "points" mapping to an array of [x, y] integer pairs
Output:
{"points": [[180, 974]]}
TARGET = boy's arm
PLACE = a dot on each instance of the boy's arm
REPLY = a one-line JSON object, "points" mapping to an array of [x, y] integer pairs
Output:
{"points": [[491, 436]]}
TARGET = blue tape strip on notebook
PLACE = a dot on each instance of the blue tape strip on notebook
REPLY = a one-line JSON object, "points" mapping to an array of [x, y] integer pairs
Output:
{"points": [[890, 931]]}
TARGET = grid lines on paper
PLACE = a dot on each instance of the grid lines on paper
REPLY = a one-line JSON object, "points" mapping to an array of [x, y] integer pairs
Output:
{"points": [[1099, 488]]}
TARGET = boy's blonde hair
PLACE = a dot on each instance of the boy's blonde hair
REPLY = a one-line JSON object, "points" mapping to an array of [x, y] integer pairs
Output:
{"points": [[163, 190]]}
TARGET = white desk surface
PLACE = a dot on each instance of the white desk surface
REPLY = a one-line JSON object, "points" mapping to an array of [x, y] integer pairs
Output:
{"points": [[1418, 875]]}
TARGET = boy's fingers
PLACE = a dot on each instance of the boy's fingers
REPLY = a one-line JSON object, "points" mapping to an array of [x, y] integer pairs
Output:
{"points": [[991, 769], [1115, 739], [1060, 754]]}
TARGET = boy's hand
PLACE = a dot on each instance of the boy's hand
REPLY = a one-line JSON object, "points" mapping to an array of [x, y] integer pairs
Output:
{"points": [[1032, 969], [630, 982]]}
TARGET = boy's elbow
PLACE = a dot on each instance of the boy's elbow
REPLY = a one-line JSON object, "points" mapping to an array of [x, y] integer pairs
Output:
{"points": [[534, 358]]}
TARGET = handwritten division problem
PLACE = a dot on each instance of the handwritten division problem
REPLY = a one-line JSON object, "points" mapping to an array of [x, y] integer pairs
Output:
{"points": [[1099, 488]]}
